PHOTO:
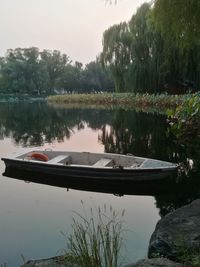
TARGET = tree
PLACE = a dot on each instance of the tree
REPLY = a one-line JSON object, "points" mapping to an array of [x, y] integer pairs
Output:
{"points": [[154, 52], [55, 63], [115, 56], [141, 75], [27, 70], [71, 78], [96, 79], [178, 20], [22, 72]]}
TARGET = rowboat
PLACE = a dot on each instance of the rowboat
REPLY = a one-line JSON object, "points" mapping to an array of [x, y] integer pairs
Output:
{"points": [[95, 166]]}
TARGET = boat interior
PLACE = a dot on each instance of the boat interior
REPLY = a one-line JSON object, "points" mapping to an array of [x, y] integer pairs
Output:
{"points": [[96, 160]]}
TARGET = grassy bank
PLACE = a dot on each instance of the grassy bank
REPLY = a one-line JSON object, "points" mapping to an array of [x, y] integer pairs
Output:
{"points": [[159, 101]]}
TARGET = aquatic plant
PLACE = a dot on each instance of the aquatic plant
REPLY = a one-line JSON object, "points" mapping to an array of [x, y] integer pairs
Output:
{"points": [[185, 120], [184, 124], [96, 239], [159, 101]]}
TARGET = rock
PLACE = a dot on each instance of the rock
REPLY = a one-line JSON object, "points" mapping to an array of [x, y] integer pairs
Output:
{"points": [[58, 262], [178, 231], [51, 262], [156, 262]]}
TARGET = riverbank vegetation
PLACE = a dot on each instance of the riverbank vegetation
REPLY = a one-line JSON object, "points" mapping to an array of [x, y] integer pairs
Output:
{"points": [[160, 102], [184, 124], [96, 238], [185, 120]]}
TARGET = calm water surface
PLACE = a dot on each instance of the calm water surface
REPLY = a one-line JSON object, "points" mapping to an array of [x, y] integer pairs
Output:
{"points": [[32, 216]]}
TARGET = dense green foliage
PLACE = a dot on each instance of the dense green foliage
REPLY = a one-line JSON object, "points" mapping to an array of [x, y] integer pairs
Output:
{"points": [[29, 71], [178, 20], [185, 119], [157, 50], [189, 109]]}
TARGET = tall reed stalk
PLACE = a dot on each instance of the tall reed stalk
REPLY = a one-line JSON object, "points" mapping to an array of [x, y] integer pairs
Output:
{"points": [[96, 240]]}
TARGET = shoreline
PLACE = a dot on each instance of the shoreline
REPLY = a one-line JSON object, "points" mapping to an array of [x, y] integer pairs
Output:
{"points": [[140, 101], [174, 242]]}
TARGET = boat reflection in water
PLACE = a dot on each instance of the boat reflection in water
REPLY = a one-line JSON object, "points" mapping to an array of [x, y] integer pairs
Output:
{"points": [[118, 187], [169, 194]]}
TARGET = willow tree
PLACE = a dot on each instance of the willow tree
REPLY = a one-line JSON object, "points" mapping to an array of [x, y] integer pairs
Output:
{"points": [[159, 49], [131, 53], [178, 20], [178, 23], [141, 69], [115, 56]]}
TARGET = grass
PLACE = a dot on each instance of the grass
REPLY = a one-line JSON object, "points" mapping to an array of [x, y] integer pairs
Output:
{"points": [[159, 101], [96, 238]]}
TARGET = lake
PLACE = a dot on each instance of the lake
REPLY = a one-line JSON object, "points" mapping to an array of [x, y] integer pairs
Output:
{"points": [[33, 216]]}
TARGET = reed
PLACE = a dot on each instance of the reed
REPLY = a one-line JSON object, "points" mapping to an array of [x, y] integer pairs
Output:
{"points": [[96, 239]]}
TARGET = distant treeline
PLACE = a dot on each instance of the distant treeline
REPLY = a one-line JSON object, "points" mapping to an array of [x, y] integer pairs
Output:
{"points": [[30, 71], [157, 50]]}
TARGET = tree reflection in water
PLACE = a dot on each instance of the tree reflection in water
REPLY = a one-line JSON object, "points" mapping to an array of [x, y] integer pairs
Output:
{"points": [[33, 124], [120, 131]]}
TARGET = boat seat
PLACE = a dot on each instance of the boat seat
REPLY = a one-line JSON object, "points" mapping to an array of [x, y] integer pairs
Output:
{"points": [[103, 162], [62, 159]]}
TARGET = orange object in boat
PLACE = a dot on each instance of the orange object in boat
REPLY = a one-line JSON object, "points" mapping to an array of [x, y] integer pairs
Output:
{"points": [[39, 156]]}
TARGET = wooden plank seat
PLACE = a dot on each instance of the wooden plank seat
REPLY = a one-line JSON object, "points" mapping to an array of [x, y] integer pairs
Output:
{"points": [[103, 162], [62, 159]]}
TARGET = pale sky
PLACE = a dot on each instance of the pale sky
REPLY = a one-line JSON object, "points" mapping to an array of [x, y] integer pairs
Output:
{"points": [[74, 27]]}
